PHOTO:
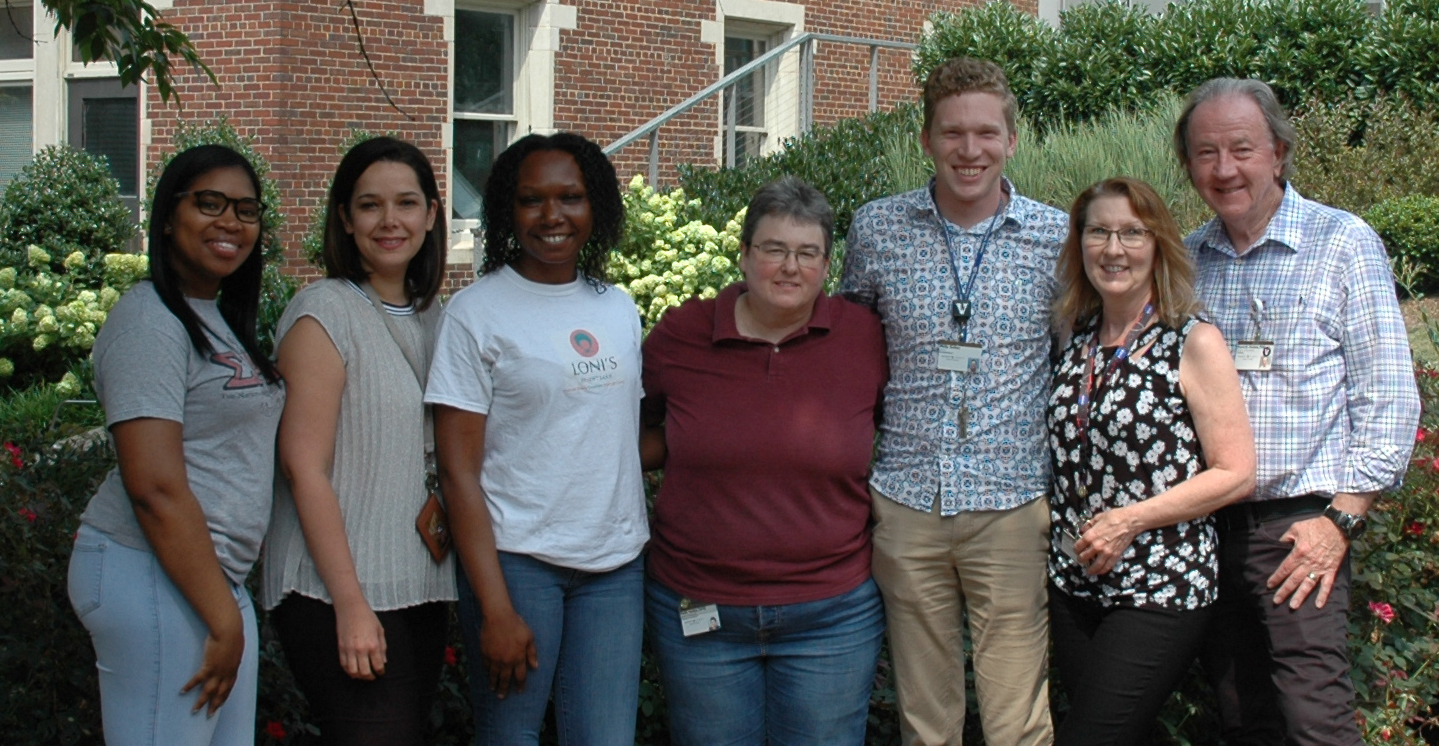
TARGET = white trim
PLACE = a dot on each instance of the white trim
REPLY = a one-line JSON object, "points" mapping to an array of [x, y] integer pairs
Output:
{"points": [[774, 22]]}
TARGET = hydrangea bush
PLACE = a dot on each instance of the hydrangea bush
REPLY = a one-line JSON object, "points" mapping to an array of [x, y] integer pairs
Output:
{"points": [[48, 319], [667, 255]]}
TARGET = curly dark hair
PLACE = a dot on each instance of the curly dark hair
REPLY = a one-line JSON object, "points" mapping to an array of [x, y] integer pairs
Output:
{"points": [[601, 188]]}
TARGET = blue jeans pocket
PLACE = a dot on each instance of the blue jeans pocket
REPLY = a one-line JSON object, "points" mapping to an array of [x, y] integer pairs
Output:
{"points": [[87, 568]]}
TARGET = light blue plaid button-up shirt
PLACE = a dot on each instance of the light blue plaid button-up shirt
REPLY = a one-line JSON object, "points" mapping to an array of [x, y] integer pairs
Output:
{"points": [[896, 262], [1339, 409]]}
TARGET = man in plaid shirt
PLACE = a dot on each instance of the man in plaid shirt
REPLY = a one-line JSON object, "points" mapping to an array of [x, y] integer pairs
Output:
{"points": [[1304, 294]]}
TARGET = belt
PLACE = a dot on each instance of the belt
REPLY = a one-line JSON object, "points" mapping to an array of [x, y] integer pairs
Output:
{"points": [[1245, 515]]}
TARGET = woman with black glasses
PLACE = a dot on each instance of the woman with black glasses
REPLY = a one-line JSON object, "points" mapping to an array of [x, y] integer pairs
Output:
{"points": [[158, 571]]}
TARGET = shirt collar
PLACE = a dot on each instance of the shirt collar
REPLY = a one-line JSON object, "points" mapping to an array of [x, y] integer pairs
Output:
{"points": [[1285, 229], [1016, 208], [725, 326]]}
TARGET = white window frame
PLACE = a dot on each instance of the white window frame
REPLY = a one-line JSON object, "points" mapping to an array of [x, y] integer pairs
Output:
{"points": [[774, 22], [537, 40]]}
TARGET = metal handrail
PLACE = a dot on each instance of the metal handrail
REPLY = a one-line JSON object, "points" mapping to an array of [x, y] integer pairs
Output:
{"points": [[807, 39]]}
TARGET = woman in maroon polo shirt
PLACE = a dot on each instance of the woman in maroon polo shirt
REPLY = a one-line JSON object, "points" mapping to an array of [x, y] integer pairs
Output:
{"points": [[759, 600]]}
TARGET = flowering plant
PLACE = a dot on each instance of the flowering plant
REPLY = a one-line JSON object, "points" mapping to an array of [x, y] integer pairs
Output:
{"points": [[669, 256], [48, 320]]}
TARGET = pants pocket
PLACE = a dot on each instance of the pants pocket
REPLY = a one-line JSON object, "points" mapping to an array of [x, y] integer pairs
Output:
{"points": [[87, 568]]}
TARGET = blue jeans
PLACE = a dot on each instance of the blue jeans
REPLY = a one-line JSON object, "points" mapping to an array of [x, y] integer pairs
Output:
{"points": [[149, 643], [787, 675], [588, 630]]}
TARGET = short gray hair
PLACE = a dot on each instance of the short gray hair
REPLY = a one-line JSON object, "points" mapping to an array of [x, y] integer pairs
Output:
{"points": [[794, 198], [1255, 90]]}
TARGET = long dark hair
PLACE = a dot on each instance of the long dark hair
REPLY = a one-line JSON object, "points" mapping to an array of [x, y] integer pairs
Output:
{"points": [[426, 270], [239, 299], [601, 187]]}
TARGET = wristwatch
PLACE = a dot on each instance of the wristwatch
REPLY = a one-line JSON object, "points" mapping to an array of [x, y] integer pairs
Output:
{"points": [[1352, 526]]}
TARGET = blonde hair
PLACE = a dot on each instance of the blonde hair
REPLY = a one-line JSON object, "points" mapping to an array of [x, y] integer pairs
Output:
{"points": [[1173, 276]]}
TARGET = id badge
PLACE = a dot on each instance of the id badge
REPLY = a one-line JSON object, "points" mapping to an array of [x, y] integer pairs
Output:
{"points": [[960, 357], [1254, 355], [1067, 540], [697, 620]]}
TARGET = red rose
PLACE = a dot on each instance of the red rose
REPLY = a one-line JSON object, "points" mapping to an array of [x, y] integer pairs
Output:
{"points": [[28, 514], [1384, 611], [275, 730], [451, 657], [1415, 528], [16, 455], [1421, 436]]}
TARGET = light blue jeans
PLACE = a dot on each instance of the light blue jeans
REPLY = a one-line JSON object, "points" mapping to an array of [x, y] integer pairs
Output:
{"points": [[588, 630], [148, 643], [786, 675]]}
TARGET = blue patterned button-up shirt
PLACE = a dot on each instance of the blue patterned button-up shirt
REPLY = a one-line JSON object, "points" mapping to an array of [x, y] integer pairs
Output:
{"points": [[896, 262], [1338, 410]]}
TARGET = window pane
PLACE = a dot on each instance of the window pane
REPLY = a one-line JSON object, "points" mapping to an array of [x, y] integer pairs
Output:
{"points": [[111, 129], [476, 145], [484, 62], [748, 93], [17, 33], [17, 146]]}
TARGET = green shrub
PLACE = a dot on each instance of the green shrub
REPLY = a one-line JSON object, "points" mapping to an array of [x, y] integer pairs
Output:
{"points": [[64, 201], [1110, 53], [1410, 229], [1354, 154], [843, 160], [48, 319], [49, 693]]}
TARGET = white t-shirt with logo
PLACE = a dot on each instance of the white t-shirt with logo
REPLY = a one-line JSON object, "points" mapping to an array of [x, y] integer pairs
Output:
{"points": [[556, 371]]}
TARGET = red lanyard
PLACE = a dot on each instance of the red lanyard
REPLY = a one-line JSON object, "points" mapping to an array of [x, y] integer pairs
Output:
{"points": [[1091, 355]]}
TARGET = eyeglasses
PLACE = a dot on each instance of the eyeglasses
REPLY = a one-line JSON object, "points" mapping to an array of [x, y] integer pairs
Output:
{"points": [[213, 203], [807, 258], [1130, 238]]}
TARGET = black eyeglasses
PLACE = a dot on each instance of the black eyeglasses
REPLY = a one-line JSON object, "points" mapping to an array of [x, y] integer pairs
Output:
{"points": [[213, 203]]}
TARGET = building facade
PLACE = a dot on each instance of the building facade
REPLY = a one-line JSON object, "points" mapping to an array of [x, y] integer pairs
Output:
{"points": [[466, 77]]}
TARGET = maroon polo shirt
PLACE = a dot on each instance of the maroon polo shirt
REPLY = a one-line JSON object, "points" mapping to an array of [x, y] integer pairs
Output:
{"points": [[765, 498]]}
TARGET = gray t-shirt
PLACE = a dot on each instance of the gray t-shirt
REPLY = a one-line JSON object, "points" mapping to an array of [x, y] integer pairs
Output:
{"points": [[145, 366]]}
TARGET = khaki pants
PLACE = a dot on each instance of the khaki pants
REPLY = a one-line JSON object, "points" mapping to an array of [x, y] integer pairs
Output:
{"points": [[930, 568]]}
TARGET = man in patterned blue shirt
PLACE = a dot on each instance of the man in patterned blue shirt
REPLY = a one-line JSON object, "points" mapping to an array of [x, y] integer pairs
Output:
{"points": [[1304, 294], [962, 275]]}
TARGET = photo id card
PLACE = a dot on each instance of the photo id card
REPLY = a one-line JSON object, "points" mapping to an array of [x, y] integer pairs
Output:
{"points": [[961, 357], [1067, 540], [1255, 355], [697, 620]]}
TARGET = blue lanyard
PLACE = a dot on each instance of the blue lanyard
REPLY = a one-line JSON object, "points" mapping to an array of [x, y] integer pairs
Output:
{"points": [[962, 308]]}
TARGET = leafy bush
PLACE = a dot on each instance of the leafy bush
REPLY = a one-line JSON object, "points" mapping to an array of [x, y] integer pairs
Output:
{"points": [[844, 161], [1410, 228], [48, 319], [49, 694], [64, 201], [1109, 53], [664, 259], [1057, 168], [1354, 154]]}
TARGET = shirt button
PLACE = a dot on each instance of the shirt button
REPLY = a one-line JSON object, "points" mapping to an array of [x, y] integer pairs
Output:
{"points": [[776, 349]]}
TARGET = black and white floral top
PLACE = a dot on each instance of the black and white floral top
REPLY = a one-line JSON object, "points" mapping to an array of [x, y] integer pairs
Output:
{"points": [[1141, 443]]}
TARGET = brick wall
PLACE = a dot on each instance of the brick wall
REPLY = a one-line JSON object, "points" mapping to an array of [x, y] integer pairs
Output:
{"points": [[292, 77]]}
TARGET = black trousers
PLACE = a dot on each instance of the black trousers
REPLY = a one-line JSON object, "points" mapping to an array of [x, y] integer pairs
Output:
{"points": [[1118, 666], [392, 710], [1281, 675]]}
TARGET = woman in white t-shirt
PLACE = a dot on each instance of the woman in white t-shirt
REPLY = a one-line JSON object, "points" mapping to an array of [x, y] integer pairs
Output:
{"points": [[536, 379], [157, 576]]}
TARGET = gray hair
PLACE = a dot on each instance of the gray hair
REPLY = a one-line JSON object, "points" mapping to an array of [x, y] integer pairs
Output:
{"points": [[794, 198], [1255, 90]]}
